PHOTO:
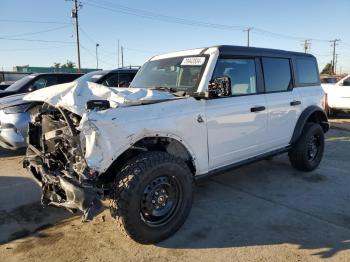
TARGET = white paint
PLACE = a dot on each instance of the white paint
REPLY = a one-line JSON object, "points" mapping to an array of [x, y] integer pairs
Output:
{"points": [[229, 133], [338, 96]]}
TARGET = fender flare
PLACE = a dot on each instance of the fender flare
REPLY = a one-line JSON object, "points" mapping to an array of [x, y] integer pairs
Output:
{"points": [[318, 115]]}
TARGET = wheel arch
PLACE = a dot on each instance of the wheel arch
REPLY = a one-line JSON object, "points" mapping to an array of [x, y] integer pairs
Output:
{"points": [[159, 142], [313, 114]]}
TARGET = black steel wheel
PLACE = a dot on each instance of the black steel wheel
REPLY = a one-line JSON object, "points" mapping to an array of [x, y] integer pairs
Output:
{"points": [[306, 154], [153, 196], [160, 199]]}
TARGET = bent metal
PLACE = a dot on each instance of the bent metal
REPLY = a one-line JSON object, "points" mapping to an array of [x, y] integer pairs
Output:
{"points": [[186, 115]]}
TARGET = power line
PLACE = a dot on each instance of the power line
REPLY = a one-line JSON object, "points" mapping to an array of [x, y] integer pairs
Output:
{"points": [[37, 32], [31, 21], [33, 49], [35, 40], [113, 7]]}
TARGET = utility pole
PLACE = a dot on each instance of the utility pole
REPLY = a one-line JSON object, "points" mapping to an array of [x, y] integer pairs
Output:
{"points": [[118, 54], [75, 16], [307, 45], [122, 51], [248, 34], [333, 44], [335, 64], [97, 45]]}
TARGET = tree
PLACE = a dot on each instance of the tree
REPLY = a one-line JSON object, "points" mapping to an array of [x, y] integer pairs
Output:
{"points": [[70, 64], [56, 65], [327, 70]]}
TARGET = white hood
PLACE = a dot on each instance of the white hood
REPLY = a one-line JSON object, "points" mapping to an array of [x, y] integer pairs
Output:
{"points": [[73, 96]]}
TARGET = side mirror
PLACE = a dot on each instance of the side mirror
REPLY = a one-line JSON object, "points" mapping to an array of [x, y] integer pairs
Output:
{"points": [[219, 87]]}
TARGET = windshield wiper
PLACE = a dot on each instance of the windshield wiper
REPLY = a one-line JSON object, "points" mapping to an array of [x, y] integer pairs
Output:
{"points": [[164, 88]]}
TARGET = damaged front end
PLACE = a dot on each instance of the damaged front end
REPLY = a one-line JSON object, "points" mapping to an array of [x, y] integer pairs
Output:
{"points": [[55, 157]]}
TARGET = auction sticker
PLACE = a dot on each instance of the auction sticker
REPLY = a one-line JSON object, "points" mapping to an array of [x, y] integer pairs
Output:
{"points": [[193, 61]]}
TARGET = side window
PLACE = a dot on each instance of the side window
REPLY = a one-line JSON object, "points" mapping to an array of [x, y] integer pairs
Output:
{"points": [[67, 78], [277, 74], [346, 82], [241, 72], [112, 80], [306, 71], [42, 82]]}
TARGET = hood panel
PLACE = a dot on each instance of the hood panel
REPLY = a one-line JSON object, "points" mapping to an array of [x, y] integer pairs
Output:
{"points": [[73, 96], [13, 100]]}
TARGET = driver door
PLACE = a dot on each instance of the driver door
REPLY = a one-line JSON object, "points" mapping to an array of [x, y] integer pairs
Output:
{"points": [[237, 125]]}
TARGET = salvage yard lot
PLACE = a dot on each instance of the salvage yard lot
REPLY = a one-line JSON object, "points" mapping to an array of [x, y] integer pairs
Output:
{"points": [[266, 211]]}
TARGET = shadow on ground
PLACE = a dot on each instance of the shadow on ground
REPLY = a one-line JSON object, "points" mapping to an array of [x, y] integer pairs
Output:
{"points": [[8, 153], [20, 211], [264, 204], [270, 203]]}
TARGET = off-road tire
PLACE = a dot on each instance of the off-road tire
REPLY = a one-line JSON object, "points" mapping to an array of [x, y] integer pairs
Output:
{"points": [[299, 154], [129, 190]]}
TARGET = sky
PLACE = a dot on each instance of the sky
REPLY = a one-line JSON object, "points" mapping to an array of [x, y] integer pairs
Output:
{"points": [[146, 28]]}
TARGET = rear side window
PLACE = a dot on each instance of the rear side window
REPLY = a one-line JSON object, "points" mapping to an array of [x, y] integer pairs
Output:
{"points": [[306, 71], [123, 79], [241, 72], [277, 74]]}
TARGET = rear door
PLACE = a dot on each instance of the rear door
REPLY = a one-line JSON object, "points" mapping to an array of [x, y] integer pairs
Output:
{"points": [[283, 101], [237, 125]]}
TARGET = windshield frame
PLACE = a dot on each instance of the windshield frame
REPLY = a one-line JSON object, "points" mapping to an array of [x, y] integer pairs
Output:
{"points": [[188, 90]]}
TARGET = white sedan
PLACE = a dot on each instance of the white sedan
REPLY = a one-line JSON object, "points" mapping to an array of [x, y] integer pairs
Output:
{"points": [[337, 96]]}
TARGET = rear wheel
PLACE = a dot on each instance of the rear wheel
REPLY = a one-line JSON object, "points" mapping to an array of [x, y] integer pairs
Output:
{"points": [[307, 152], [153, 197]]}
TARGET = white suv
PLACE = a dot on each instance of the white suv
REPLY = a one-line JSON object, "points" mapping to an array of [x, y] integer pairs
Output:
{"points": [[187, 115]]}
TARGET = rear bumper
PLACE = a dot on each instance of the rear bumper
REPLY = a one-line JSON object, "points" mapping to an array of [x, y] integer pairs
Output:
{"points": [[13, 130]]}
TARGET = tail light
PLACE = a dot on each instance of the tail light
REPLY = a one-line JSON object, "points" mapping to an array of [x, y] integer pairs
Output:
{"points": [[325, 102]]}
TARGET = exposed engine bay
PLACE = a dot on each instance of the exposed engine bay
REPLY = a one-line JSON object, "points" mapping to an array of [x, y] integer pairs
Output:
{"points": [[55, 157]]}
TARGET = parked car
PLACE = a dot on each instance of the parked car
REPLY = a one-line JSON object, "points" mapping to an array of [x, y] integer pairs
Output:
{"points": [[337, 96], [187, 115], [14, 116], [7, 78], [5, 84], [37, 81]]}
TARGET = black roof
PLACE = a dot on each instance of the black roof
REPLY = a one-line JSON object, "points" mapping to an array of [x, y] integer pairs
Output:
{"points": [[243, 50], [124, 70]]}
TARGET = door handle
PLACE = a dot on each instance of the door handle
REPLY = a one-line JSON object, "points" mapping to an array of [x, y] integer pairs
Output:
{"points": [[295, 103], [257, 109]]}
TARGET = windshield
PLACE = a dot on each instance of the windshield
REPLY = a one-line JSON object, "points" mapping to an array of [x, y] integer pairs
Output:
{"points": [[91, 77], [15, 87], [179, 73]]}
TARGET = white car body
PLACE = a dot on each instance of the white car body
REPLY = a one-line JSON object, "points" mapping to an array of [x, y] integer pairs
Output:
{"points": [[229, 132], [338, 95]]}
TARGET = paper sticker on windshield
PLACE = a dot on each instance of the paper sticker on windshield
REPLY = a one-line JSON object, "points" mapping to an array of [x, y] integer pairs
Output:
{"points": [[193, 61]]}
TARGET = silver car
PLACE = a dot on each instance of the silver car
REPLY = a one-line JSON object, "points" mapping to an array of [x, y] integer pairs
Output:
{"points": [[13, 121], [14, 117]]}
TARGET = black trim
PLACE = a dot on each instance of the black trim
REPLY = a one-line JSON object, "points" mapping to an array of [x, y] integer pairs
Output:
{"points": [[303, 119], [239, 164], [257, 108]]}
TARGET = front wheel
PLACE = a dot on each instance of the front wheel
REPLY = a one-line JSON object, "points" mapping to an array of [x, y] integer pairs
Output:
{"points": [[153, 197], [306, 154]]}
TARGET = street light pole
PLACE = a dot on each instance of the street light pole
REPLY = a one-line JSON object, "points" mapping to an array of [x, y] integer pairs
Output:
{"points": [[97, 45]]}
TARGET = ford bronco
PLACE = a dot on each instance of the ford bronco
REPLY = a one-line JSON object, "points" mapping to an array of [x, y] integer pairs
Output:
{"points": [[187, 115]]}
